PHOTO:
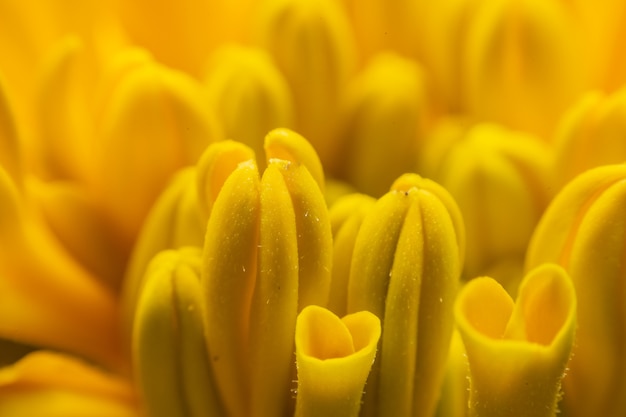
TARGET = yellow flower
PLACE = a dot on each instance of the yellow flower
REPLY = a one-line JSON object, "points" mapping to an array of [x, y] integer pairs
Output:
{"points": [[517, 352], [115, 183]]}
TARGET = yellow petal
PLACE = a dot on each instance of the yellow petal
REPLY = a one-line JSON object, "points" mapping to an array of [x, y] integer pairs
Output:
{"points": [[46, 298], [136, 154], [183, 36], [288, 145], [228, 279], [522, 54], [169, 350], [173, 222], [589, 135], [10, 148], [583, 230], [346, 216], [218, 161], [334, 358], [502, 183], [312, 46], [385, 116], [405, 269], [275, 300], [50, 384], [249, 94], [518, 352], [74, 217]]}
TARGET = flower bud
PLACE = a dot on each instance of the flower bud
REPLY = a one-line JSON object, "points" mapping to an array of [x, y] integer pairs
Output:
{"points": [[583, 230], [272, 260], [384, 121], [405, 269], [312, 46], [169, 351], [334, 357], [517, 352]]}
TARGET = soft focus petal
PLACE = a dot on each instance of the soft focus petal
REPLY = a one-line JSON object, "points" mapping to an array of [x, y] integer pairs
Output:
{"points": [[249, 94], [591, 134], [48, 384], [334, 357], [312, 45], [501, 181], [184, 36], [46, 298], [519, 63], [385, 116], [517, 352], [154, 122], [10, 149]]}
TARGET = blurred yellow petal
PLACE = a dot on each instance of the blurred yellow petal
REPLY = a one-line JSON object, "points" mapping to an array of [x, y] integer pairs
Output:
{"points": [[501, 181], [591, 134], [184, 36], [249, 94], [584, 231], [405, 269], [312, 45], [48, 384], [334, 357], [10, 148], [46, 297], [385, 116], [75, 219], [380, 25], [517, 352], [154, 123], [519, 64], [170, 354]]}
